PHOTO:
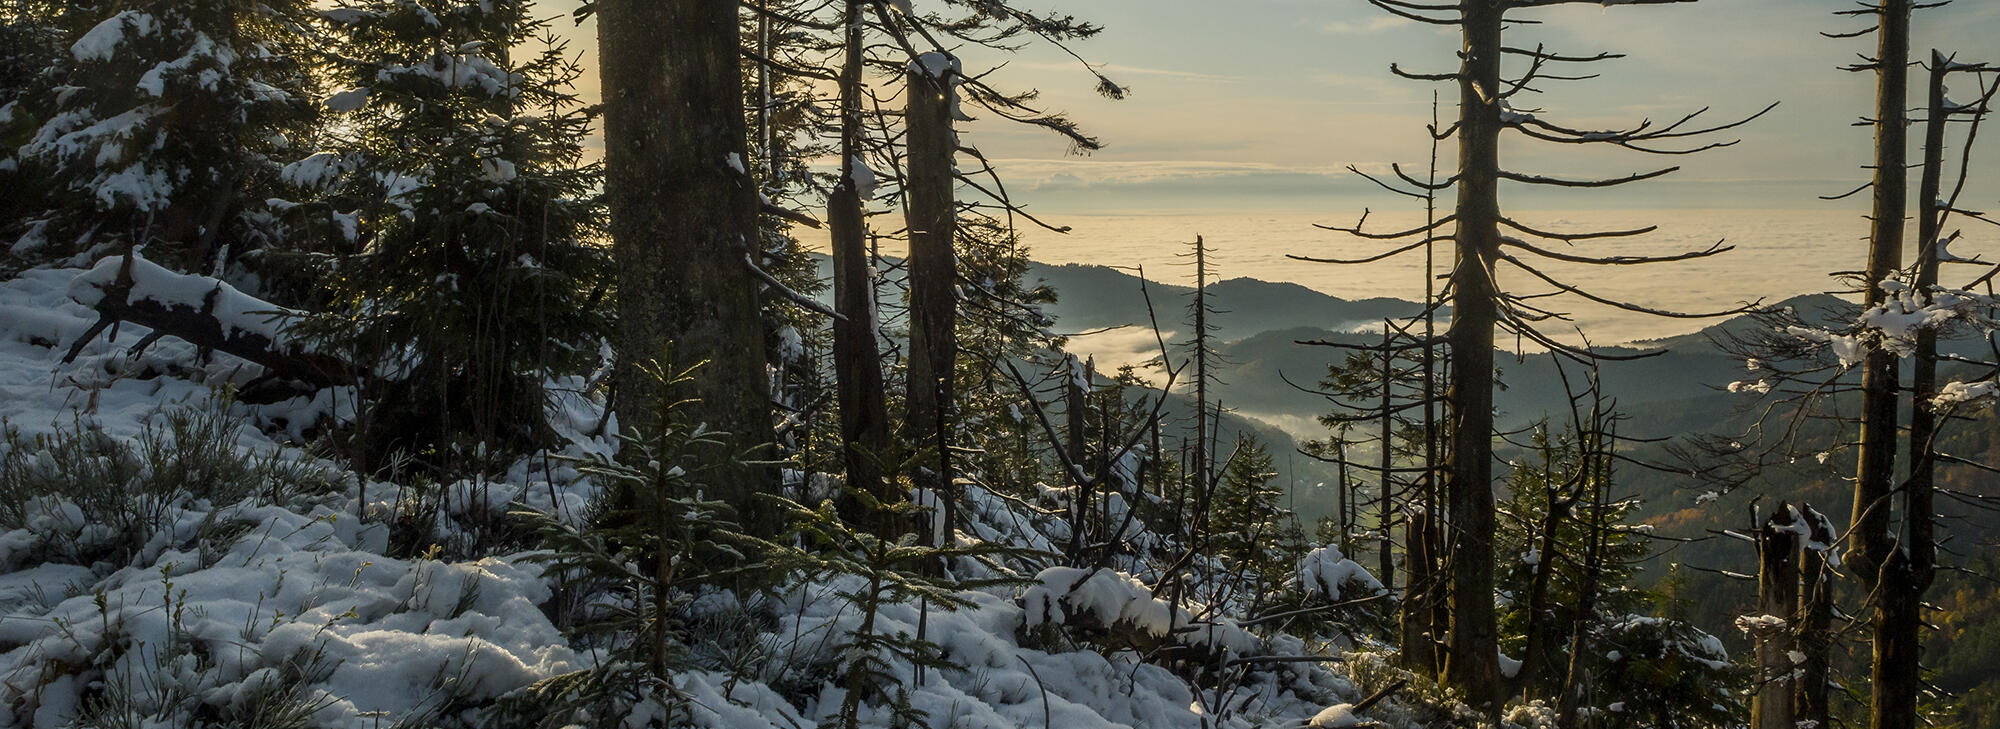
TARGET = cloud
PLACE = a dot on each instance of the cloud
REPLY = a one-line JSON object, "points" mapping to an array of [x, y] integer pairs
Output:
{"points": [[1363, 27], [1078, 172], [1116, 69]]}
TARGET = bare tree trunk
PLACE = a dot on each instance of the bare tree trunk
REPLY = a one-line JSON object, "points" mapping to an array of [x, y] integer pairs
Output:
{"points": [[857, 363], [1570, 698], [1472, 660], [1076, 409], [1534, 657], [1777, 596], [1204, 481], [1875, 473], [684, 222], [1907, 572], [1385, 509], [1815, 635], [1387, 493], [933, 270]]}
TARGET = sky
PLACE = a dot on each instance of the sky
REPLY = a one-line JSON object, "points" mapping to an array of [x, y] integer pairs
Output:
{"points": [[1263, 103], [1243, 116]]}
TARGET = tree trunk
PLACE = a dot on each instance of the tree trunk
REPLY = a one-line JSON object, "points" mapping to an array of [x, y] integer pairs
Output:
{"points": [[1777, 596], [1472, 660], [683, 224], [1570, 698], [1385, 509], [1907, 573], [933, 269], [1534, 657], [1076, 409], [1418, 652], [1815, 635], [1875, 472], [857, 363]]}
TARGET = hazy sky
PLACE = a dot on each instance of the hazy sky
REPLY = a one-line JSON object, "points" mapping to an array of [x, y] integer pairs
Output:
{"points": [[1262, 103]]}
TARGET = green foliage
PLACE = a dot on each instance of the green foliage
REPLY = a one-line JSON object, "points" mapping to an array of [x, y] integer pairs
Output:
{"points": [[889, 571], [157, 120], [1248, 521], [87, 496], [1559, 475], [455, 226], [1660, 672], [636, 560], [1966, 645]]}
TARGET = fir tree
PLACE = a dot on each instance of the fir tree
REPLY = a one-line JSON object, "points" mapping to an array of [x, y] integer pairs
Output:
{"points": [[158, 121], [459, 222], [1248, 517]]}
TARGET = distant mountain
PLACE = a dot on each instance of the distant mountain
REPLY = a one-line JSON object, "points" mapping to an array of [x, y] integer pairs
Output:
{"points": [[1094, 297]]}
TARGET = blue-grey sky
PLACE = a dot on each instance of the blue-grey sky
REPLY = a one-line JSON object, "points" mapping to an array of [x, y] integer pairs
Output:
{"points": [[1261, 104]]}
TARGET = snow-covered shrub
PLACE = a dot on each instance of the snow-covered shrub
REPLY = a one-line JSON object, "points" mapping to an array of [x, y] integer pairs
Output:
{"points": [[80, 496], [877, 572], [162, 674], [1665, 673]]}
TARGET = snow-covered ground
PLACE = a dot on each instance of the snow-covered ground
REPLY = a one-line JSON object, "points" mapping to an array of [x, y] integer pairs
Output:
{"points": [[286, 606]]}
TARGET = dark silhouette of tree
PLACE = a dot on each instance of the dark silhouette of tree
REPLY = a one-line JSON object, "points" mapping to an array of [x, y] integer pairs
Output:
{"points": [[1484, 237]]}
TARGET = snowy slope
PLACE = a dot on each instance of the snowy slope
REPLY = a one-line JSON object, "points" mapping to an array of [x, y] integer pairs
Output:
{"points": [[290, 611]]}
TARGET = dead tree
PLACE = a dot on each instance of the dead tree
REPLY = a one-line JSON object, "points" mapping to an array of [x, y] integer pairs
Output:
{"points": [[1815, 629], [933, 268], [684, 221], [1479, 303], [1892, 524], [1906, 566], [1875, 476], [1773, 627], [857, 361]]}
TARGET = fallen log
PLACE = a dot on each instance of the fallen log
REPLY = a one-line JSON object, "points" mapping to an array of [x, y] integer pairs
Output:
{"points": [[204, 312]]}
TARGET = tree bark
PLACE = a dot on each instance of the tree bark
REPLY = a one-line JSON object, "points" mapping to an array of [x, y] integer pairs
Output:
{"points": [[1777, 596], [857, 363], [933, 270], [1075, 410], [1875, 471], [1385, 509], [1815, 635], [1907, 573], [684, 224], [1472, 661]]}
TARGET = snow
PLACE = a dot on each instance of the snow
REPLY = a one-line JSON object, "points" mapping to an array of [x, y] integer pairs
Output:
{"points": [[1337, 715], [1760, 624], [936, 65], [863, 178], [1954, 394], [102, 40], [317, 171], [461, 70], [238, 311], [496, 170], [229, 599], [1325, 572], [346, 100]]}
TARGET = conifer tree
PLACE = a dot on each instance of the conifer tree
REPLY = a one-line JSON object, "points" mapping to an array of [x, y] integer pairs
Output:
{"points": [[157, 121], [1249, 520], [462, 249]]}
